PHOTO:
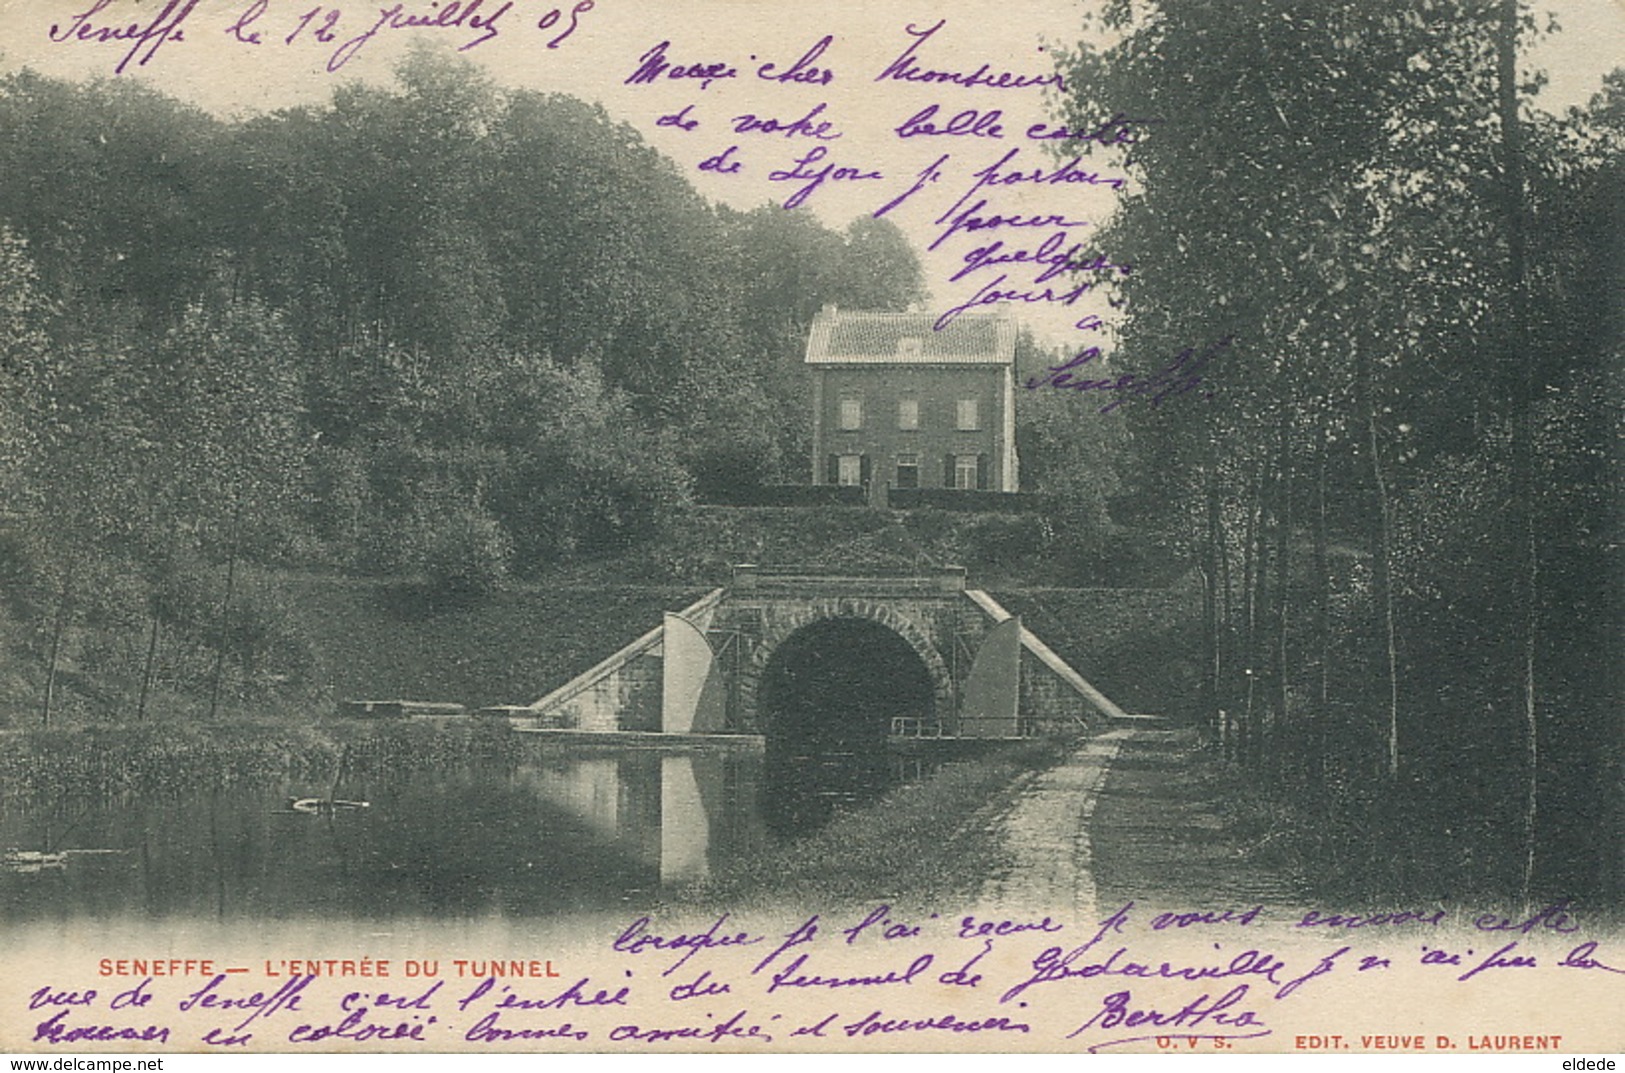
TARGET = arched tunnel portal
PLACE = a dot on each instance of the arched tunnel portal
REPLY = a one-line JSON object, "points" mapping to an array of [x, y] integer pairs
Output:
{"points": [[826, 699]]}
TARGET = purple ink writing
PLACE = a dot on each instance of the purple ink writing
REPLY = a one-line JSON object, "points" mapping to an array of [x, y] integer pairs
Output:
{"points": [[637, 938], [1049, 255], [1116, 1011], [653, 66], [489, 1029], [811, 177], [56, 1030], [551, 19], [680, 120], [723, 163], [452, 16], [792, 976], [715, 1033], [803, 127], [209, 997], [877, 1022], [969, 123], [1118, 130], [240, 31], [1182, 375], [991, 294], [150, 36], [997, 174], [931, 174], [801, 72], [906, 68]]}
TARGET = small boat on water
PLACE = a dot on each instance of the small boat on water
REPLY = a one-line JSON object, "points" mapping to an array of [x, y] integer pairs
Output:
{"points": [[26, 860], [317, 805]]}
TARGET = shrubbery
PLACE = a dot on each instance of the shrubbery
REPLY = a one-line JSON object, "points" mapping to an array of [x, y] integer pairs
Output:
{"points": [[462, 554]]}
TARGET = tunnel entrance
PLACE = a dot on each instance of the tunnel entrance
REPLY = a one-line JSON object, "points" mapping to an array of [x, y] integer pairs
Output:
{"points": [[827, 699]]}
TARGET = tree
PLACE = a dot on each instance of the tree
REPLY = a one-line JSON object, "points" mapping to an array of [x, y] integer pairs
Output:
{"points": [[1348, 197], [783, 267], [582, 477], [24, 368], [107, 177], [878, 268]]}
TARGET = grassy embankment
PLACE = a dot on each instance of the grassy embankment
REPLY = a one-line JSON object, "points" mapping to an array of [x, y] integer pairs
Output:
{"points": [[374, 642], [98, 761], [338, 637], [372, 638], [369, 641]]}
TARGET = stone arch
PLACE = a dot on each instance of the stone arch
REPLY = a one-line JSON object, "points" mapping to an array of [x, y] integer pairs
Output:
{"points": [[782, 626]]}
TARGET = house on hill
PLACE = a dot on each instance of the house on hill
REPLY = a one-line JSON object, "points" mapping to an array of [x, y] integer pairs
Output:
{"points": [[897, 404]]}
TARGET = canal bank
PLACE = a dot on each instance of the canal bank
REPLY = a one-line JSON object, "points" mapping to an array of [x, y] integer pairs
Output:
{"points": [[98, 760], [1175, 826], [1046, 835], [370, 820], [1140, 813]]}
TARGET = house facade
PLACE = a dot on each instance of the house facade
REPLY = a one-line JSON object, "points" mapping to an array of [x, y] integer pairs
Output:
{"points": [[897, 404]]}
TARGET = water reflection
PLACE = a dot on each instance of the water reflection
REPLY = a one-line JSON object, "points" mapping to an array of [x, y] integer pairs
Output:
{"points": [[558, 831], [555, 833]]}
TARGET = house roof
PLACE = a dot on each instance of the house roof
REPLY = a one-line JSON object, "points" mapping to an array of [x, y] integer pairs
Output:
{"points": [[864, 338]]}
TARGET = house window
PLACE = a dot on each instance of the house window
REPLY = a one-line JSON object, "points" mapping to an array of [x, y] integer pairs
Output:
{"points": [[965, 467], [851, 470], [851, 412], [968, 420], [908, 471], [908, 414]]}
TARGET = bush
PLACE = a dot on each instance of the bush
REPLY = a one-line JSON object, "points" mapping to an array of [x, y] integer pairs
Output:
{"points": [[784, 495], [263, 638], [1003, 540], [726, 472], [462, 553]]}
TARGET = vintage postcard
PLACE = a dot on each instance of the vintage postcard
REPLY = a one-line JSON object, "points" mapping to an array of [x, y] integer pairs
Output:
{"points": [[1078, 526]]}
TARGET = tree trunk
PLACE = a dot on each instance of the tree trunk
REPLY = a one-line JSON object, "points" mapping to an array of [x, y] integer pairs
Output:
{"points": [[1381, 555], [225, 617], [1227, 645], [1323, 622], [1283, 538], [1210, 611], [1523, 468], [1250, 572], [1323, 575], [147, 670], [59, 628]]}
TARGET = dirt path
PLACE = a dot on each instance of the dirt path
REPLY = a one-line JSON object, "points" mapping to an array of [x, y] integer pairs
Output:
{"points": [[1134, 814], [1165, 832], [1046, 835]]}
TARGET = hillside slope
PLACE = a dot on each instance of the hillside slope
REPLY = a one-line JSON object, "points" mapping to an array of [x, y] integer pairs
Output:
{"points": [[511, 648]]}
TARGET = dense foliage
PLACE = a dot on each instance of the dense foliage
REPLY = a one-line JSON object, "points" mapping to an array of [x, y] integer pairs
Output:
{"points": [[1399, 495], [441, 330], [460, 333]]}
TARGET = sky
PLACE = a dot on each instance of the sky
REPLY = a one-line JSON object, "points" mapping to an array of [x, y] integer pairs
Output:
{"points": [[215, 68]]}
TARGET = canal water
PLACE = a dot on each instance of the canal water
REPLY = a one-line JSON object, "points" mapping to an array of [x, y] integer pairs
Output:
{"points": [[560, 830]]}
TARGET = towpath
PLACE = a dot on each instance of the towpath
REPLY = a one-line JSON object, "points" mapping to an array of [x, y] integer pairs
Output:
{"points": [[1137, 813]]}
